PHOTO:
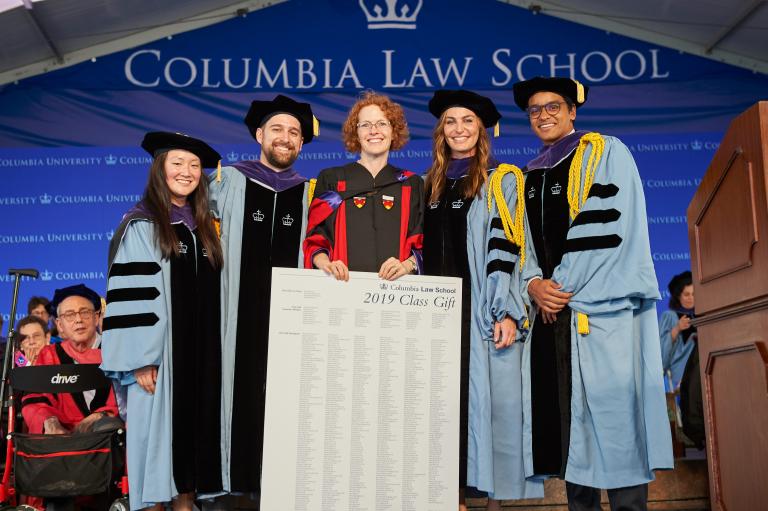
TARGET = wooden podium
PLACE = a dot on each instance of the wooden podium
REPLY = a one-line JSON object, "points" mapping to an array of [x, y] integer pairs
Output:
{"points": [[728, 233]]}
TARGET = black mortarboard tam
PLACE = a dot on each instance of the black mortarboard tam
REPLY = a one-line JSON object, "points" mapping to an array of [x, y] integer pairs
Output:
{"points": [[483, 107], [78, 290], [678, 283], [158, 142], [566, 87], [261, 111]]}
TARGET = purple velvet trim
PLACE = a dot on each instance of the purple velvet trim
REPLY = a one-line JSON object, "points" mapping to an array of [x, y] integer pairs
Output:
{"points": [[139, 209], [419, 261], [178, 214], [184, 215], [458, 168], [278, 181], [551, 155], [332, 198]]}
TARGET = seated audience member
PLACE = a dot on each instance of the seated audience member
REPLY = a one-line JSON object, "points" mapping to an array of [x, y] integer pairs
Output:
{"points": [[76, 309], [38, 306], [33, 335]]}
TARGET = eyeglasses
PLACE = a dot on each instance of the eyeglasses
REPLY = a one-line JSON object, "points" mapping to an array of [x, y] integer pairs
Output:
{"points": [[368, 126], [33, 337], [85, 314], [534, 111]]}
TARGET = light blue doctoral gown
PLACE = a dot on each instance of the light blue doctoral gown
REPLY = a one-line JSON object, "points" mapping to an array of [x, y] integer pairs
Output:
{"points": [[148, 429], [674, 352], [619, 427], [495, 447]]}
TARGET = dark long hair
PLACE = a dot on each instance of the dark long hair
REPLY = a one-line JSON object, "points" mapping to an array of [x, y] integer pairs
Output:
{"points": [[157, 199], [676, 286], [441, 157]]}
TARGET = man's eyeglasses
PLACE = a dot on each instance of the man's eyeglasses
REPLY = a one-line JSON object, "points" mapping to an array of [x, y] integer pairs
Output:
{"points": [[368, 126], [85, 314], [534, 111]]}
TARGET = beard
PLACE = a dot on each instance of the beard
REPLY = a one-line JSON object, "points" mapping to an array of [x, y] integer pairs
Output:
{"points": [[281, 160]]}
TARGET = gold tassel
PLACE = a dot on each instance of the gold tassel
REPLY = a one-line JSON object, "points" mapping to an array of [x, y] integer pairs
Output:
{"points": [[526, 324], [496, 130], [311, 190], [576, 194], [514, 229], [582, 323], [579, 92], [315, 126], [218, 172], [217, 226]]}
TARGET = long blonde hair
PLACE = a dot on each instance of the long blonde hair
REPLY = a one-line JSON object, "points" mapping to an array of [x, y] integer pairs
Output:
{"points": [[441, 157]]}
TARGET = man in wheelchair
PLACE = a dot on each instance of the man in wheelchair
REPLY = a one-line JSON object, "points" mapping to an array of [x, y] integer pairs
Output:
{"points": [[76, 309]]}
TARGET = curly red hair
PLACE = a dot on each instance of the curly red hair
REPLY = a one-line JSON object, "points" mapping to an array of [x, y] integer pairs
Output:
{"points": [[392, 111]]}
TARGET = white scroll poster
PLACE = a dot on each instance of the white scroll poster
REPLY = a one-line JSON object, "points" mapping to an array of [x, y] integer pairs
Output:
{"points": [[362, 405]]}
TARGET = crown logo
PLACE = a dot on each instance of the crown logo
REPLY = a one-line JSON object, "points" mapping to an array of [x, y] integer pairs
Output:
{"points": [[434, 204], [182, 248], [696, 145], [258, 216], [556, 189], [531, 192], [457, 204], [404, 19], [205, 252], [46, 275], [111, 159], [233, 156], [45, 199], [287, 220]]}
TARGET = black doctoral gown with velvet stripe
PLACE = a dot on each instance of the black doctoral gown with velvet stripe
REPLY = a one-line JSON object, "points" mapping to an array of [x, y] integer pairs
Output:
{"points": [[271, 236], [445, 254], [546, 204], [196, 359]]}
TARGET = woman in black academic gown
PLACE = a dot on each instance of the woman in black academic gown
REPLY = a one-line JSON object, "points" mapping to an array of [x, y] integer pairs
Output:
{"points": [[367, 215], [461, 159]]}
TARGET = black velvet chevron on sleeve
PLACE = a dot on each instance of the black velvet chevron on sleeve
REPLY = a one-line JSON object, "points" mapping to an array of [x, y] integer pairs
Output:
{"points": [[602, 191], [131, 294], [130, 321], [136, 268], [504, 245], [596, 216], [592, 243], [499, 265]]}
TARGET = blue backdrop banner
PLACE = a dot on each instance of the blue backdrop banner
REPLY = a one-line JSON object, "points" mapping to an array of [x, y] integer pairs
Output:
{"points": [[71, 164]]}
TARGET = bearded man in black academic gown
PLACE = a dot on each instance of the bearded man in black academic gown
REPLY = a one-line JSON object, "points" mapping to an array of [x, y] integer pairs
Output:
{"points": [[261, 206]]}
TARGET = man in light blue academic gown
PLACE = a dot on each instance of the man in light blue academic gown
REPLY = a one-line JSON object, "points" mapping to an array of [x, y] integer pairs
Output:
{"points": [[261, 207], [593, 398]]}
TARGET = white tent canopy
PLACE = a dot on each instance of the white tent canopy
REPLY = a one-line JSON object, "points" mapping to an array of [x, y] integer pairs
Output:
{"points": [[46, 35], [41, 36], [730, 31]]}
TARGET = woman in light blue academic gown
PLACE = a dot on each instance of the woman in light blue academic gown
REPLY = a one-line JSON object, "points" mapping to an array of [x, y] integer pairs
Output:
{"points": [[675, 329]]}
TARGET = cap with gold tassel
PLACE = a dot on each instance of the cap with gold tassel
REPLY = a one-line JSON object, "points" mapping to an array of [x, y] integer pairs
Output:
{"points": [[579, 92]]}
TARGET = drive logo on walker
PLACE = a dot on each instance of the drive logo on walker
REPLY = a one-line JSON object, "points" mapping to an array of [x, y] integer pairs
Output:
{"points": [[61, 379]]}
